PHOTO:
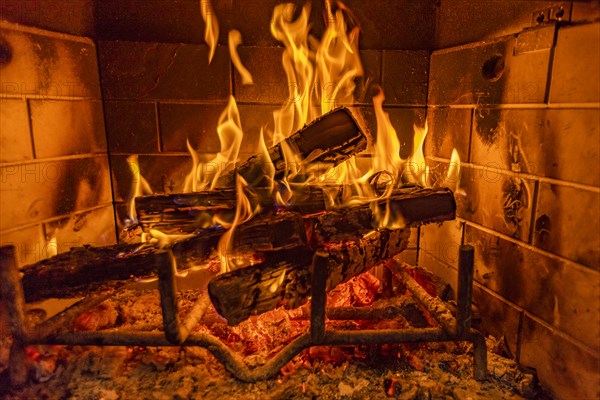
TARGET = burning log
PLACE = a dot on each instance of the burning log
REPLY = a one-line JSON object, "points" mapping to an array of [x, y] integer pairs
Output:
{"points": [[329, 139], [87, 268], [189, 212], [260, 288], [352, 246]]}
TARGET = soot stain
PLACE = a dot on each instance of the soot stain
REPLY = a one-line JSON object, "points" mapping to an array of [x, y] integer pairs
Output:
{"points": [[487, 122], [515, 198]]}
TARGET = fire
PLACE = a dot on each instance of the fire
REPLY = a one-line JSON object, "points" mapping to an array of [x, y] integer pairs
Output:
{"points": [[321, 76], [139, 187], [211, 31], [243, 213], [203, 176], [235, 39], [416, 170]]}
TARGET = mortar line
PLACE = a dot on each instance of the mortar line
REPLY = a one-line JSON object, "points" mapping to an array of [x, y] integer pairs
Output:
{"points": [[534, 205], [54, 218], [30, 123], [523, 175], [53, 159], [532, 248]]}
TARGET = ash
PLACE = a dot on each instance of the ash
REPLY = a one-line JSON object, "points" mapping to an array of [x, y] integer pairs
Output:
{"points": [[401, 371]]}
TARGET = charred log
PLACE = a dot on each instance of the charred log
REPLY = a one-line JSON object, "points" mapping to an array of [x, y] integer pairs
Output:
{"points": [[189, 212], [260, 288], [87, 268], [328, 140]]}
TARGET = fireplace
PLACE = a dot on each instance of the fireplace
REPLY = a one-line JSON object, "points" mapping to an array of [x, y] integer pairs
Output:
{"points": [[103, 101]]}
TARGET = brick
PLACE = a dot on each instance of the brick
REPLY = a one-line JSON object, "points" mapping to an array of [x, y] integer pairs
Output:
{"points": [[408, 25], [541, 142], [194, 122], [253, 19], [141, 71], [541, 285], [585, 11], [494, 199], [498, 318], [405, 75], [442, 241], [270, 83], [508, 17], [164, 173], [15, 139], [569, 370], [131, 126], [576, 82], [448, 273], [456, 76], [408, 256], [68, 16], [448, 129], [95, 227], [198, 123], [253, 118], [367, 86], [402, 119], [154, 21], [35, 191], [567, 223], [63, 128], [29, 244], [42, 66]]}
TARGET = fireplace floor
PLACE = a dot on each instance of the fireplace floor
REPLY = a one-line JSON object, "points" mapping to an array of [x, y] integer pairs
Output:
{"points": [[406, 371]]}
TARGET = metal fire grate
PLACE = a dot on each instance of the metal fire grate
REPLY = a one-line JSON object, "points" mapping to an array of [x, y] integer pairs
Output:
{"points": [[178, 333]]}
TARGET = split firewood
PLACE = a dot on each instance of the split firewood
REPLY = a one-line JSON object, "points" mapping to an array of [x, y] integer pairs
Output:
{"points": [[328, 140]]}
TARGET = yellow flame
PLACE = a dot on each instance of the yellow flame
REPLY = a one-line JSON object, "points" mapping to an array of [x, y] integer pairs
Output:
{"points": [[387, 146], [299, 70], [453, 175], [139, 187], [268, 167], [243, 213], [338, 61], [416, 169], [163, 240], [235, 39], [204, 176], [211, 31]]}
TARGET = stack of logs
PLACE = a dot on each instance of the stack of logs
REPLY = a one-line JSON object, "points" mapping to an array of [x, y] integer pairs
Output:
{"points": [[275, 247]]}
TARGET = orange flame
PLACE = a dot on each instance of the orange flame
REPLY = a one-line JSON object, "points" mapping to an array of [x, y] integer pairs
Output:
{"points": [[211, 31], [139, 186], [235, 39], [203, 176], [243, 213]]}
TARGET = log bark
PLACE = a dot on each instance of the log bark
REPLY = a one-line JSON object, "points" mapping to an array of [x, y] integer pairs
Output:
{"points": [[239, 294], [87, 268], [190, 212], [328, 140]]}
